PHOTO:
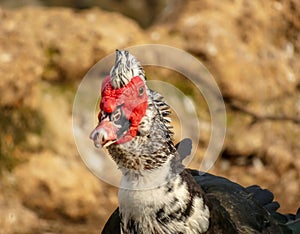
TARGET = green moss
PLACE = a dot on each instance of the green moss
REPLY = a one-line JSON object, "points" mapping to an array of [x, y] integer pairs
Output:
{"points": [[15, 124], [52, 71]]}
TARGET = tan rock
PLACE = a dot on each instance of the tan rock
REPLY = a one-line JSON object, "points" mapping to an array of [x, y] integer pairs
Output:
{"points": [[251, 47], [58, 45], [14, 219], [55, 187]]}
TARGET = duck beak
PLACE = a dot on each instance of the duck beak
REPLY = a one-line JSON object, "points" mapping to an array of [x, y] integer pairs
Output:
{"points": [[104, 134]]}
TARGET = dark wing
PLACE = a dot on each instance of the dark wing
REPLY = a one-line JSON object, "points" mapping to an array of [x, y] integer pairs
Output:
{"points": [[252, 209], [293, 222], [112, 225], [264, 197]]}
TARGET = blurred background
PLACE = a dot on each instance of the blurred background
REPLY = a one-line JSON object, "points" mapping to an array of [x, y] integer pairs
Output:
{"points": [[252, 48]]}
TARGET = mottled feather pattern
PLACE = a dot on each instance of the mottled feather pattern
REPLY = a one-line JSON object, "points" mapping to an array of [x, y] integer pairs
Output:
{"points": [[154, 138], [177, 212], [126, 66], [152, 156], [150, 161]]}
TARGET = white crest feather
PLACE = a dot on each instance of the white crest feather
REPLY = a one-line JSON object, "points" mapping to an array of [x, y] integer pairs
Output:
{"points": [[126, 67]]}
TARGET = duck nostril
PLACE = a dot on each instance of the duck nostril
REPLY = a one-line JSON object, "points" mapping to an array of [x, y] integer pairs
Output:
{"points": [[99, 137], [96, 136], [102, 136]]}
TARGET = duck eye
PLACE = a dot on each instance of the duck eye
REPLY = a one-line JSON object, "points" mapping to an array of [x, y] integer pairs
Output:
{"points": [[141, 91]]}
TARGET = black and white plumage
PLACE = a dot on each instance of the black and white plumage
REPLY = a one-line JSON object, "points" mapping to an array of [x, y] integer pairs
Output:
{"points": [[126, 66], [157, 194]]}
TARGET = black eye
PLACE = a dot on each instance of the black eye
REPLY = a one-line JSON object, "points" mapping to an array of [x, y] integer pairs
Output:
{"points": [[141, 91]]}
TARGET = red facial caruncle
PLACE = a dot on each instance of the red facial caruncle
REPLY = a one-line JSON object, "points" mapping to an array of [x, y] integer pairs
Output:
{"points": [[121, 110]]}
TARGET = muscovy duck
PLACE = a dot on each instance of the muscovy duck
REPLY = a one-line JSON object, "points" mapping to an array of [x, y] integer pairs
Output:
{"points": [[157, 194]]}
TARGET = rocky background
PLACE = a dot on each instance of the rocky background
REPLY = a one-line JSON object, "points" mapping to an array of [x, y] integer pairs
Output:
{"points": [[251, 47]]}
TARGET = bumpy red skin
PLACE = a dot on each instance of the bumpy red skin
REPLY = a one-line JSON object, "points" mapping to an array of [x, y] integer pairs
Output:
{"points": [[109, 128], [134, 104]]}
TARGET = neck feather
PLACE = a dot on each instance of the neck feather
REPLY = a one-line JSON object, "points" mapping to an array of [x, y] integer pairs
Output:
{"points": [[170, 208], [153, 146], [155, 194]]}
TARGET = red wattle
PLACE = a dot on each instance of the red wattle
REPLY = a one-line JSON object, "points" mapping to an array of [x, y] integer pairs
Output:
{"points": [[132, 98]]}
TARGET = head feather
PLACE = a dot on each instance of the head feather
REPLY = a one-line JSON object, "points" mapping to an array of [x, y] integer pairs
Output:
{"points": [[126, 67]]}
